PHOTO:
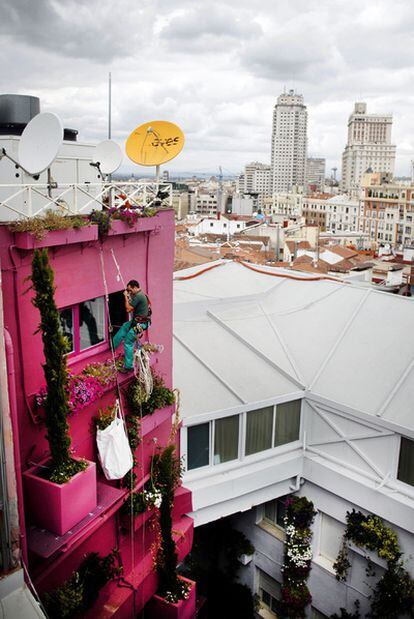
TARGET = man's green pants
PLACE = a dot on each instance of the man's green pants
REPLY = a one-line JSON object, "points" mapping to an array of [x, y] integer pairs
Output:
{"points": [[128, 335]]}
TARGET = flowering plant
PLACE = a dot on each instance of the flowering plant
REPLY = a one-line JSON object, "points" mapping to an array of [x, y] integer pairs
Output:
{"points": [[182, 592], [82, 391], [139, 502], [130, 213], [298, 556], [153, 498], [104, 372], [393, 595], [84, 388], [105, 417]]}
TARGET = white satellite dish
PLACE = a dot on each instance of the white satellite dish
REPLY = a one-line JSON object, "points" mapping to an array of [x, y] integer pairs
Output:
{"points": [[40, 142], [108, 156]]}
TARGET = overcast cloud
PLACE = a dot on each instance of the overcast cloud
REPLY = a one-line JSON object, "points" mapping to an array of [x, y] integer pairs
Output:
{"points": [[214, 68]]}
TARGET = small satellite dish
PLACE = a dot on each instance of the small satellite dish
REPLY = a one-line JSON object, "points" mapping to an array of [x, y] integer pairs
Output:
{"points": [[154, 143], [108, 155], [40, 142]]}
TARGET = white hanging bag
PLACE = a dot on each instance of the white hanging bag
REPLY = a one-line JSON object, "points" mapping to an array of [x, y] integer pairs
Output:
{"points": [[114, 451]]}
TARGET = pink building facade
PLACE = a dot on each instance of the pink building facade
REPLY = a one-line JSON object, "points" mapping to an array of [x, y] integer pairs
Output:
{"points": [[85, 268]]}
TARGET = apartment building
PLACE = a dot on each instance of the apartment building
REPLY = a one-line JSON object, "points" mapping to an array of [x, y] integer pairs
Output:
{"points": [[368, 146], [254, 183], [203, 202], [286, 203], [388, 210], [332, 213], [312, 419], [315, 173], [289, 143]]}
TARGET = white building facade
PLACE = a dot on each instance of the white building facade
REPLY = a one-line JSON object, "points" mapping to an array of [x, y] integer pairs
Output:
{"points": [[368, 146], [279, 396], [333, 214], [315, 173], [289, 143]]}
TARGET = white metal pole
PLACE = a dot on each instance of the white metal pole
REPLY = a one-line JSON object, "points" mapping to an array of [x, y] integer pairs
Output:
{"points": [[109, 106]]}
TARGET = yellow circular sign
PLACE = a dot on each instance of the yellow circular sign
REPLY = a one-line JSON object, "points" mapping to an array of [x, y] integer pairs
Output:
{"points": [[154, 143]]}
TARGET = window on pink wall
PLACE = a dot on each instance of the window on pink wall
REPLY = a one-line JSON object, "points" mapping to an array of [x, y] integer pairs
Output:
{"points": [[85, 326]]}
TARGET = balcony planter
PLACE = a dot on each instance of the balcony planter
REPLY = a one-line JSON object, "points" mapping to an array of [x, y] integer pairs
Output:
{"points": [[27, 240], [159, 608], [151, 422], [141, 225], [139, 520], [58, 507]]}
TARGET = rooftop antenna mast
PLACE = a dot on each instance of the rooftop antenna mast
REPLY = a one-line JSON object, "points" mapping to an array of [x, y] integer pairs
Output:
{"points": [[110, 196], [109, 106]]}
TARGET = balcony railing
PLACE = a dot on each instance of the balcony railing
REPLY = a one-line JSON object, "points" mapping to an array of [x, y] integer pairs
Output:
{"points": [[18, 201]]}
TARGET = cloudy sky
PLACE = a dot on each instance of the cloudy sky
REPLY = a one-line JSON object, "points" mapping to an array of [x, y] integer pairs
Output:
{"points": [[214, 68]]}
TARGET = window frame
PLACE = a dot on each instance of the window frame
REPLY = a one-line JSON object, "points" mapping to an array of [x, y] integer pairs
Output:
{"points": [[77, 353], [210, 451], [241, 438], [320, 559], [397, 465]]}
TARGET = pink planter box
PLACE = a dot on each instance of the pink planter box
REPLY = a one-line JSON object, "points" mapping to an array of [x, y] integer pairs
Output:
{"points": [[151, 422], [139, 520], [121, 227], [26, 240], [58, 507], [183, 503], [158, 608]]}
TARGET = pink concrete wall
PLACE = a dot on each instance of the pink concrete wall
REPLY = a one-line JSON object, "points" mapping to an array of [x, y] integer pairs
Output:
{"points": [[146, 255]]}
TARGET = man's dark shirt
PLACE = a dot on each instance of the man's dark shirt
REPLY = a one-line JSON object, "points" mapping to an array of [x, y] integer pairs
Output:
{"points": [[140, 304]]}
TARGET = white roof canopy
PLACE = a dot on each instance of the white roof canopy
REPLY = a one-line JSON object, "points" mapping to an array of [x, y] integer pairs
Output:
{"points": [[242, 337]]}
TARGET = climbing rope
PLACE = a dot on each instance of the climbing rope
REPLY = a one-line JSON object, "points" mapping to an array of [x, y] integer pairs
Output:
{"points": [[105, 283], [119, 275], [142, 369]]}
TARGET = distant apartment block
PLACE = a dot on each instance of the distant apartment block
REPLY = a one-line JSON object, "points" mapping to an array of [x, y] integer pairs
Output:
{"points": [[289, 143], [388, 209], [315, 173], [257, 178], [368, 147], [254, 181], [332, 213], [203, 202], [287, 203]]}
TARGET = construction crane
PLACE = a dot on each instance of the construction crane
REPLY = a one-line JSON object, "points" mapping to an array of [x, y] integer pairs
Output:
{"points": [[220, 191]]}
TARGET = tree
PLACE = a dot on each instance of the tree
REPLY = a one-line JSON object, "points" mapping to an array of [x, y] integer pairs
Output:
{"points": [[63, 466]]}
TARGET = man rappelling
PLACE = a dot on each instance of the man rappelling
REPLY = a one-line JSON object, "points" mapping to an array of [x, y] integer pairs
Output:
{"points": [[137, 303]]}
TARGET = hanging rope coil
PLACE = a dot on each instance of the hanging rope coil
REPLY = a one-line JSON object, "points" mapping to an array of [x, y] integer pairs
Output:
{"points": [[142, 370]]}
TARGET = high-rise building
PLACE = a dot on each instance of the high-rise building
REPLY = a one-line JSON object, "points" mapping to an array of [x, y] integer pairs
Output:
{"points": [[369, 146], [289, 143], [257, 178], [315, 173]]}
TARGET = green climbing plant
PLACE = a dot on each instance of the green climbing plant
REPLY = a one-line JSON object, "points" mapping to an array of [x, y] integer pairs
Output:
{"points": [[167, 471], [56, 406], [81, 591], [393, 595]]}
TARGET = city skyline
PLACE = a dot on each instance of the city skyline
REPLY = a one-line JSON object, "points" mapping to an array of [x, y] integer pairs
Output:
{"points": [[215, 69]]}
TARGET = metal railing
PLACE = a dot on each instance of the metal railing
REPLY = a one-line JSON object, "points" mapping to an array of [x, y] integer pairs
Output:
{"points": [[34, 199]]}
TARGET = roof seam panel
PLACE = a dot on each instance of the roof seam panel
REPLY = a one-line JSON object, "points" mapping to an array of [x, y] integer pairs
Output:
{"points": [[257, 352], [284, 346], [395, 388], [340, 338], [210, 369]]}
